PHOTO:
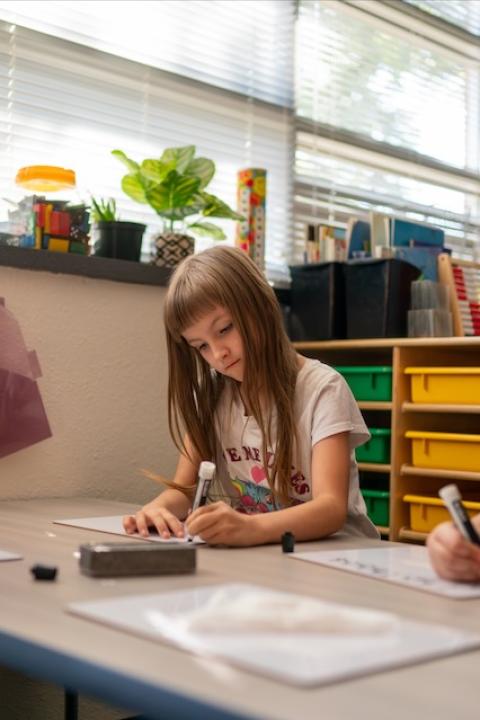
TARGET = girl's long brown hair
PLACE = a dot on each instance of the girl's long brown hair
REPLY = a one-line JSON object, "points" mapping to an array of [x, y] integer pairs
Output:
{"points": [[226, 277]]}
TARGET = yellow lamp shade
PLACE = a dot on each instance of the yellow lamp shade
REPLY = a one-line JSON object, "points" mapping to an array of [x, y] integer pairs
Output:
{"points": [[46, 178]]}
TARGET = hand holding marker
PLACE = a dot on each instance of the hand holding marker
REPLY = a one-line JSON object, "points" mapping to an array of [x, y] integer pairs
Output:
{"points": [[450, 494], [206, 472]]}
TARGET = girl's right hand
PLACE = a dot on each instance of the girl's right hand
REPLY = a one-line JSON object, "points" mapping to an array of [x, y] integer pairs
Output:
{"points": [[153, 516], [453, 557]]}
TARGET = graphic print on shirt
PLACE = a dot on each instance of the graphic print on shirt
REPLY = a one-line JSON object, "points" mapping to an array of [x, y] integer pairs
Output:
{"points": [[252, 493]]}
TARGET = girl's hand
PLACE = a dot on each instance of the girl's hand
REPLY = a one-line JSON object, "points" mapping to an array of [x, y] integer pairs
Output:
{"points": [[154, 516], [219, 524], [453, 557]]}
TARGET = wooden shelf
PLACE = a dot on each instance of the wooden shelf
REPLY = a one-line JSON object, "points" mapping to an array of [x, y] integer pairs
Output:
{"points": [[374, 467], [412, 535], [430, 407], [370, 405], [376, 343], [439, 473], [399, 475]]}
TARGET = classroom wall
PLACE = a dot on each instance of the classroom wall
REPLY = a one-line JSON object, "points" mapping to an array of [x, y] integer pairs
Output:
{"points": [[104, 381]]}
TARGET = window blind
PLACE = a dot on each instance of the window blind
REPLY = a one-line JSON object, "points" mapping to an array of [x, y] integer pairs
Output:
{"points": [[70, 100], [464, 14], [387, 120], [243, 45]]}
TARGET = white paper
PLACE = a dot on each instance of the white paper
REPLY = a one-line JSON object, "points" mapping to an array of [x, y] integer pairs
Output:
{"points": [[6, 555], [407, 565], [113, 524], [299, 658]]}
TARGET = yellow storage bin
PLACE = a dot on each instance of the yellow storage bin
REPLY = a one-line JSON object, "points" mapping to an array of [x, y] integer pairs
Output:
{"points": [[446, 451], [426, 512], [458, 385]]}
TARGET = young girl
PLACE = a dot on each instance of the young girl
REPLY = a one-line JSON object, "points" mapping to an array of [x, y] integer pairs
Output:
{"points": [[281, 428]]}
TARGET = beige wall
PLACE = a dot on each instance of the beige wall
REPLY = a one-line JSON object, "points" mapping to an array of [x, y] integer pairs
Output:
{"points": [[104, 379]]}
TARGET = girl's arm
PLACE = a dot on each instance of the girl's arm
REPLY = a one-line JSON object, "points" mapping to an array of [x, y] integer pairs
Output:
{"points": [[316, 518], [166, 512]]}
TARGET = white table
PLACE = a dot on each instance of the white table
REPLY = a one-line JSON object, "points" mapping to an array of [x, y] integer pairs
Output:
{"points": [[38, 638]]}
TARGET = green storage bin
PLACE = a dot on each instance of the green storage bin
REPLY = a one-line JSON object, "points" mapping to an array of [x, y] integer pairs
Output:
{"points": [[369, 382], [377, 449], [378, 506]]}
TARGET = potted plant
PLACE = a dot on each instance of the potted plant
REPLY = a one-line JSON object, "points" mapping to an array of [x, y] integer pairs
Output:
{"points": [[115, 238], [174, 186]]}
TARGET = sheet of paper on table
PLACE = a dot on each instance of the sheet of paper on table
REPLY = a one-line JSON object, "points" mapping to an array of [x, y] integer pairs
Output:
{"points": [[404, 565], [113, 524]]}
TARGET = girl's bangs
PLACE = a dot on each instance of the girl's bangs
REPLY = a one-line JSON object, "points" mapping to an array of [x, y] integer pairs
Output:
{"points": [[188, 303]]}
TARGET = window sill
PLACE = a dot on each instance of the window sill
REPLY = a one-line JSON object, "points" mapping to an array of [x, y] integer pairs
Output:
{"points": [[92, 267]]}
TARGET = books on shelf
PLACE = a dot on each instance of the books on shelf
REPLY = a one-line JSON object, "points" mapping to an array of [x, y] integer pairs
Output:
{"points": [[382, 236], [405, 233], [325, 243], [379, 233], [358, 238]]}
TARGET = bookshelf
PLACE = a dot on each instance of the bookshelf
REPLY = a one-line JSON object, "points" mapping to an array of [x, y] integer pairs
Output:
{"points": [[401, 415]]}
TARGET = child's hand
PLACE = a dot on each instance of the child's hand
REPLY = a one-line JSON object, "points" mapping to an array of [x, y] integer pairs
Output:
{"points": [[156, 517], [453, 557], [219, 524]]}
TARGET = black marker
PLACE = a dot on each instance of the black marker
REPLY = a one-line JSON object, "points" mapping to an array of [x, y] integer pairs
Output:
{"points": [[450, 494]]}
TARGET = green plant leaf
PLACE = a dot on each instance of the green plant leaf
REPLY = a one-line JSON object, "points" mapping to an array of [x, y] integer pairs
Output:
{"points": [[207, 229], [104, 210], [214, 207], [155, 170], [175, 192], [180, 157], [132, 166], [203, 169], [133, 187]]}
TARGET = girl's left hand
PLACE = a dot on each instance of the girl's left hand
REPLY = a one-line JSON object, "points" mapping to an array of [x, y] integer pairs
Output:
{"points": [[219, 524]]}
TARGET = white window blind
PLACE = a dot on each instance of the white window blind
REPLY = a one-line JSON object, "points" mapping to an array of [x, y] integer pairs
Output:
{"points": [[64, 101], [242, 45], [387, 119], [464, 13]]}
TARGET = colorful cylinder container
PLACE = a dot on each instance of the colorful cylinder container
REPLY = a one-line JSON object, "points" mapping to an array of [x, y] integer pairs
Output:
{"points": [[251, 194]]}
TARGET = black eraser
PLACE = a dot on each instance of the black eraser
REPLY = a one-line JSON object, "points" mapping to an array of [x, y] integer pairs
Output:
{"points": [[288, 542], [44, 572], [136, 558]]}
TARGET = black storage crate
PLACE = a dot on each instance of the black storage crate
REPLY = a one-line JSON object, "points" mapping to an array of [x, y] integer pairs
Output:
{"points": [[317, 302], [378, 297]]}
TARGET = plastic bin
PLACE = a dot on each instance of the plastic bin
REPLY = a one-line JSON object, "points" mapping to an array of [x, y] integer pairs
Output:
{"points": [[370, 382], [377, 449], [378, 297], [459, 385], [378, 509], [447, 451], [317, 297], [426, 512]]}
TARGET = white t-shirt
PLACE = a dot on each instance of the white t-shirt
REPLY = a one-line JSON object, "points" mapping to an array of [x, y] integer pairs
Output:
{"points": [[324, 406]]}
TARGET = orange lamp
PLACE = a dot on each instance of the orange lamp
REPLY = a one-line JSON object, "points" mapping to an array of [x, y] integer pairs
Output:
{"points": [[46, 178]]}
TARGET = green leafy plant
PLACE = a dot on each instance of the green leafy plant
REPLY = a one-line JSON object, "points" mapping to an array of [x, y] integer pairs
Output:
{"points": [[104, 210], [174, 186]]}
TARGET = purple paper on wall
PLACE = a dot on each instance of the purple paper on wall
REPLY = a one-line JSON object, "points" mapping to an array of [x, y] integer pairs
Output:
{"points": [[23, 420]]}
